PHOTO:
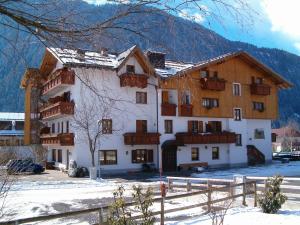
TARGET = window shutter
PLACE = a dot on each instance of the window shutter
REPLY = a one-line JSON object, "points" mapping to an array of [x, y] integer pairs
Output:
{"points": [[150, 156], [209, 127], [165, 97], [133, 156], [190, 126], [200, 126], [139, 127]]}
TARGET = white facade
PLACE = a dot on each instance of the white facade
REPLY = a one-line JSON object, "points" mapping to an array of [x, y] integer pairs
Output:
{"points": [[124, 113]]}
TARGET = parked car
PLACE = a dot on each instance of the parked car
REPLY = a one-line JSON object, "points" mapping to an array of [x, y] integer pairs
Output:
{"points": [[23, 166]]}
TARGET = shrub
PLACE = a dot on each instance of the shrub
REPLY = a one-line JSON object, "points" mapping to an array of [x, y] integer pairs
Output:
{"points": [[273, 199]]}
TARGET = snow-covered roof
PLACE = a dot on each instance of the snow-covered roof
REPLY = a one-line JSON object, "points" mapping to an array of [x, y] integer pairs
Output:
{"points": [[172, 68], [11, 116]]}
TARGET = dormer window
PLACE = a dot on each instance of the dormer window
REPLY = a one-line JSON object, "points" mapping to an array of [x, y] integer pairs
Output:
{"points": [[130, 68]]}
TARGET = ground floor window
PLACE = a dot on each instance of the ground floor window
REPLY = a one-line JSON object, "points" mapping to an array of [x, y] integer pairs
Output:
{"points": [[195, 154], [142, 156], [215, 153], [259, 133], [54, 155], [59, 155], [108, 157]]}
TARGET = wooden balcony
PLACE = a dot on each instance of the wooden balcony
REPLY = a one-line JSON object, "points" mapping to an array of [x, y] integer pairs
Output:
{"points": [[65, 139], [260, 89], [141, 138], [133, 80], [213, 84], [168, 109], [45, 130], [56, 110], [186, 110], [210, 138], [60, 79]]}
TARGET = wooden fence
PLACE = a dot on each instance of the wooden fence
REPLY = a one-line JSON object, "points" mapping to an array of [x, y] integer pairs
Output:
{"points": [[193, 186]]}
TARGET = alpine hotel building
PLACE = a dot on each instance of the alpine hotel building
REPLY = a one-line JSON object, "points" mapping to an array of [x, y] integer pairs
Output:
{"points": [[175, 115]]}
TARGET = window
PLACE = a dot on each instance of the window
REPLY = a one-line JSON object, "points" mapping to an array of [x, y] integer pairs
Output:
{"points": [[106, 126], [130, 68], [142, 156], [237, 114], [214, 126], [195, 154], [204, 74], [168, 126], [58, 127], [259, 134], [210, 103], [165, 97], [62, 127], [238, 140], [258, 106], [59, 155], [215, 153], [186, 98], [236, 89], [141, 126], [67, 127], [141, 97], [108, 157], [5, 125], [195, 126], [54, 155], [19, 125], [53, 128]]}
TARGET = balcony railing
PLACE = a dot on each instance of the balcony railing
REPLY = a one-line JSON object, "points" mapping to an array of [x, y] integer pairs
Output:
{"points": [[141, 138], [260, 89], [186, 110], [57, 109], [133, 80], [214, 84], [211, 138], [60, 78], [45, 130], [168, 109], [65, 139]]}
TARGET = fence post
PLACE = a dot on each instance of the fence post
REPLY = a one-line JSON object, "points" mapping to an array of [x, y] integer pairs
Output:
{"points": [[101, 219], [231, 190], [188, 185], [170, 187], [209, 195], [244, 192], [255, 194], [162, 211]]}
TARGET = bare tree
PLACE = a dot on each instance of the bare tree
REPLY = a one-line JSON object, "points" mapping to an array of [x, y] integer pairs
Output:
{"points": [[291, 131], [219, 210]]}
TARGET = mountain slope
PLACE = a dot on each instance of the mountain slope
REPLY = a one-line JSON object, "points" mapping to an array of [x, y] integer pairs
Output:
{"points": [[179, 38]]}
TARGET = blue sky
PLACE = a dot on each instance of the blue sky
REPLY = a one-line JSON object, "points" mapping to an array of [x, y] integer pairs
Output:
{"points": [[273, 24]]}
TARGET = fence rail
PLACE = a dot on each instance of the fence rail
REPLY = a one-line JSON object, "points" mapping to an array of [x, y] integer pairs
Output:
{"points": [[212, 185]]}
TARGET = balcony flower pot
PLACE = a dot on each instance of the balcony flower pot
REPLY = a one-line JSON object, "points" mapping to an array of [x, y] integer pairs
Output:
{"points": [[93, 173]]}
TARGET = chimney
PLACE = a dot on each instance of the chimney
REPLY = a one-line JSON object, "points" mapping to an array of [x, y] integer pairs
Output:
{"points": [[157, 59], [104, 51]]}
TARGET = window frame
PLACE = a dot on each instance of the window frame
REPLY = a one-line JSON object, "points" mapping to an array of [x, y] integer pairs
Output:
{"points": [[239, 118], [106, 162], [141, 97], [239, 89], [143, 154], [256, 136], [59, 156], [214, 154], [106, 126], [168, 126], [141, 126], [129, 70], [197, 154], [258, 106], [210, 103], [238, 140]]}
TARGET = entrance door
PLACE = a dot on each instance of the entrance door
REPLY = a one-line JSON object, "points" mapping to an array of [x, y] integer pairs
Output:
{"points": [[169, 158]]}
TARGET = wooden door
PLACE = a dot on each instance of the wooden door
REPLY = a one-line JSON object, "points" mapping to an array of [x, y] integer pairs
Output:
{"points": [[169, 159]]}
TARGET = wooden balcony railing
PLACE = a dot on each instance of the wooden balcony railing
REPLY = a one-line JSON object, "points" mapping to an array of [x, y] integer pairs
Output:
{"points": [[65, 139], [57, 109], [186, 110], [133, 80], [211, 138], [141, 138], [168, 109], [214, 84], [45, 130], [260, 89], [61, 77]]}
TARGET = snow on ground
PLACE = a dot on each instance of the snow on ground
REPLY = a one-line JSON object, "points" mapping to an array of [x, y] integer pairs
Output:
{"points": [[246, 216], [285, 169]]}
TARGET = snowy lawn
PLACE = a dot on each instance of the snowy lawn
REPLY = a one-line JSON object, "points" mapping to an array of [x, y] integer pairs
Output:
{"points": [[247, 216]]}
